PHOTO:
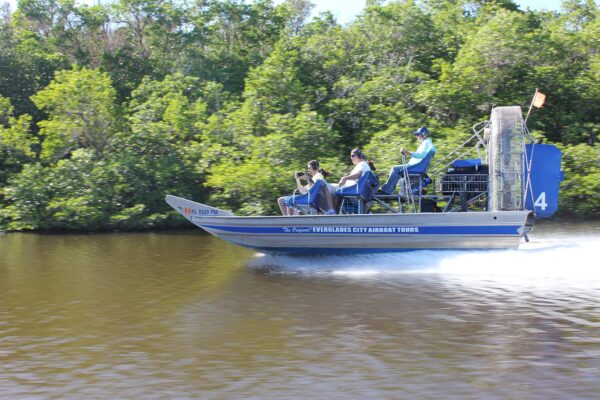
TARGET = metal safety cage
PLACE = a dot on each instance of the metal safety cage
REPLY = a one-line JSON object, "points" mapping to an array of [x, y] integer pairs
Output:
{"points": [[462, 183], [505, 158]]}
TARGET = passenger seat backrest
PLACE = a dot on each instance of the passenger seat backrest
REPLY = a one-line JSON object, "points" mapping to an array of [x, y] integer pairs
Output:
{"points": [[421, 167], [366, 185], [315, 194], [312, 198]]}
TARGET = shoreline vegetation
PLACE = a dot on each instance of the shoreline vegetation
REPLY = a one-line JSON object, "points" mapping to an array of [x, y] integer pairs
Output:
{"points": [[105, 109]]}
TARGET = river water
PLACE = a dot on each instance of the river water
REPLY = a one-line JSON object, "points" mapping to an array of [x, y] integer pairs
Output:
{"points": [[186, 316]]}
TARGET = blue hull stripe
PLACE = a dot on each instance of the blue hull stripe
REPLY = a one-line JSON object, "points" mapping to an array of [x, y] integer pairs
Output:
{"points": [[312, 251], [374, 230], [317, 251]]}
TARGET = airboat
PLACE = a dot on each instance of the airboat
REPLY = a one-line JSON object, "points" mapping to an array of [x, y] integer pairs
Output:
{"points": [[490, 201]]}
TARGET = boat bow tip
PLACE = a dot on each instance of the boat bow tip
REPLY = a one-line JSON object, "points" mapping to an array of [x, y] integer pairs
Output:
{"points": [[191, 209]]}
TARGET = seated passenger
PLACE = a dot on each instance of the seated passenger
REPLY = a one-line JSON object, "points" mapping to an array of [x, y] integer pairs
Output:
{"points": [[426, 146], [314, 174], [361, 165]]}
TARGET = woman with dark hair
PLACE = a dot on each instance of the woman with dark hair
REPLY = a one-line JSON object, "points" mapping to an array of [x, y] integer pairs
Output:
{"points": [[314, 174], [361, 165]]}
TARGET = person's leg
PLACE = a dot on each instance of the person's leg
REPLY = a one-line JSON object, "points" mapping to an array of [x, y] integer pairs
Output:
{"points": [[392, 181], [329, 202], [335, 201], [282, 206]]}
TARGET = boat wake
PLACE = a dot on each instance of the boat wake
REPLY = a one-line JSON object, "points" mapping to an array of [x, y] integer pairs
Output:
{"points": [[552, 258]]}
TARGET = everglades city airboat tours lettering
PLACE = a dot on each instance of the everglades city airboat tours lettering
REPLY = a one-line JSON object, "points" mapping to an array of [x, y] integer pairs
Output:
{"points": [[363, 229]]}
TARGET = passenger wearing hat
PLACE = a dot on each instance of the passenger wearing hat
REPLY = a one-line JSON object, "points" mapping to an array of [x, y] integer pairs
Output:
{"points": [[426, 146]]}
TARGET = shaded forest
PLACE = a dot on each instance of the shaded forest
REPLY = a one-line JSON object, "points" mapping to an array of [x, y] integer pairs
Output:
{"points": [[105, 109]]}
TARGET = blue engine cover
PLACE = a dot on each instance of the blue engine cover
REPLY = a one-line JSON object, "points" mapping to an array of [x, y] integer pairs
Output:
{"points": [[545, 179]]}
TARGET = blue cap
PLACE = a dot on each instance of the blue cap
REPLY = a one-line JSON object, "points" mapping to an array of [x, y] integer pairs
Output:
{"points": [[421, 131]]}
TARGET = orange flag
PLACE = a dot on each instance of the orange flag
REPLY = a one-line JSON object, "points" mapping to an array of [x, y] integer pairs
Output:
{"points": [[538, 100]]}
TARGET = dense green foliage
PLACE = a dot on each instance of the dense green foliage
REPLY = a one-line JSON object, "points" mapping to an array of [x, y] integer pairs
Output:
{"points": [[105, 109]]}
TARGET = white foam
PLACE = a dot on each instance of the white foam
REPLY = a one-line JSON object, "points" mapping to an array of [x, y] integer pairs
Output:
{"points": [[553, 258]]}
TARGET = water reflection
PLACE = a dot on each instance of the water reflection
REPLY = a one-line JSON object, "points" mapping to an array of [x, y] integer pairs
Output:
{"points": [[184, 315]]}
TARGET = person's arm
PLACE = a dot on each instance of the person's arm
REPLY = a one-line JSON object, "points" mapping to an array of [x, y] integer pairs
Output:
{"points": [[349, 177], [354, 176], [422, 150], [303, 189]]}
